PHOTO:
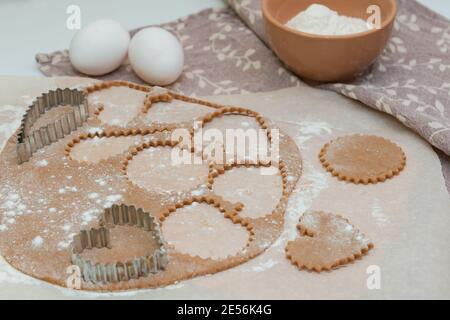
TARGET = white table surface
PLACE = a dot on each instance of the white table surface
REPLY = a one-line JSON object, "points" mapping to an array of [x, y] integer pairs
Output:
{"points": [[31, 26]]}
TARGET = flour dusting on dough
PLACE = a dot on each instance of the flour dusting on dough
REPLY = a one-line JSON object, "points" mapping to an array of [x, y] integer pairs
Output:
{"points": [[42, 163], [37, 242], [13, 207]]}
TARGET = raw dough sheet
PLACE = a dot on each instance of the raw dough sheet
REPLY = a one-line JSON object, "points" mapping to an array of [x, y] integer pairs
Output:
{"points": [[407, 217]]}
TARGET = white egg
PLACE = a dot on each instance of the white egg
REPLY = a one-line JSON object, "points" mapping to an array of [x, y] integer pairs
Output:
{"points": [[99, 47], [156, 56]]}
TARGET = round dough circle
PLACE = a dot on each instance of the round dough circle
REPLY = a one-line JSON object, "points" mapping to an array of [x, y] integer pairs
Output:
{"points": [[362, 158]]}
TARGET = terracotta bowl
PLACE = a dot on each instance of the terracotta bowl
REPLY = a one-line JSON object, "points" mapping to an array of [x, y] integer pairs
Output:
{"points": [[327, 58]]}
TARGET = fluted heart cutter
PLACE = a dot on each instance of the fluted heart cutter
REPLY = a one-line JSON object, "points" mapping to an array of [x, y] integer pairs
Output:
{"points": [[100, 238]]}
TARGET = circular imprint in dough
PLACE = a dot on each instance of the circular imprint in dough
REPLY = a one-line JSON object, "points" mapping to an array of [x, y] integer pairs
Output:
{"points": [[176, 111], [327, 240], [202, 230], [362, 158], [96, 149], [259, 193], [244, 133], [121, 104], [154, 170]]}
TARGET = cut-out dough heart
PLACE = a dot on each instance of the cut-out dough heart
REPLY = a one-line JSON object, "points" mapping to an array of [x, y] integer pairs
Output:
{"points": [[327, 241], [362, 158], [100, 238]]}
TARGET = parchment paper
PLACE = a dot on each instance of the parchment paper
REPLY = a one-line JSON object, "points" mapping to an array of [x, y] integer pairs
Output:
{"points": [[407, 217]]}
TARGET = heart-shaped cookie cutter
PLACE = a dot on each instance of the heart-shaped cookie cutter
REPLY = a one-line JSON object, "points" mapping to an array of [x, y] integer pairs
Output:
{"points": [[29, 141], [100, 238]]}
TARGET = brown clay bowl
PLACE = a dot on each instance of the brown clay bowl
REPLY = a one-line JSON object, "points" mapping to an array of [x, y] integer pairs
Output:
{"points": [[327, 58]]}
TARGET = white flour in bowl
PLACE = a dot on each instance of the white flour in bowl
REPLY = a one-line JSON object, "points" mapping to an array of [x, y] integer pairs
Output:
{"points": [[321, 20]]}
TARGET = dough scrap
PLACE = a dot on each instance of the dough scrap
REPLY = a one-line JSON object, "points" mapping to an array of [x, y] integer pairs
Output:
{"points": [[362, 158], [327, 241]]}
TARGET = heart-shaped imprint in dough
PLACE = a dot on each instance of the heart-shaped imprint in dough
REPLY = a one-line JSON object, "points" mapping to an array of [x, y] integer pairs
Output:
{"points": [[327, 241]]}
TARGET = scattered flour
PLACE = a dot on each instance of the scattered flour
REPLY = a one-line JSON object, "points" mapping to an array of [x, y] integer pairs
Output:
{"points": [[93, 195], [378, 213], [13, 206], [101, 182], [67, 188], [268, 264], [199, 192], [309, 129], [37, 242], [42, 163], [312, 182], [111, 199], [315, 128], [89, 215], [63, 245]]}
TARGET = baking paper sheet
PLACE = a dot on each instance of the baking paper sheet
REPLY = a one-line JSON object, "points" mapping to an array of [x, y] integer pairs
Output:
{"points": [[407, 217]]}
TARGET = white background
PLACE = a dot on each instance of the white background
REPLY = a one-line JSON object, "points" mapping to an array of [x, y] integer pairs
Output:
{"points": [[31, 26]]}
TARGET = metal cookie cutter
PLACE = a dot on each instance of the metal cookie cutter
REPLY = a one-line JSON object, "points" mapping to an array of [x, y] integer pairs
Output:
{"points": [[100, 238], [29, 141]]}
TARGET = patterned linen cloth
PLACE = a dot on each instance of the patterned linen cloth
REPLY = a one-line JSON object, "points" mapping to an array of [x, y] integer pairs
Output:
{"points": [[226, 54]]}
